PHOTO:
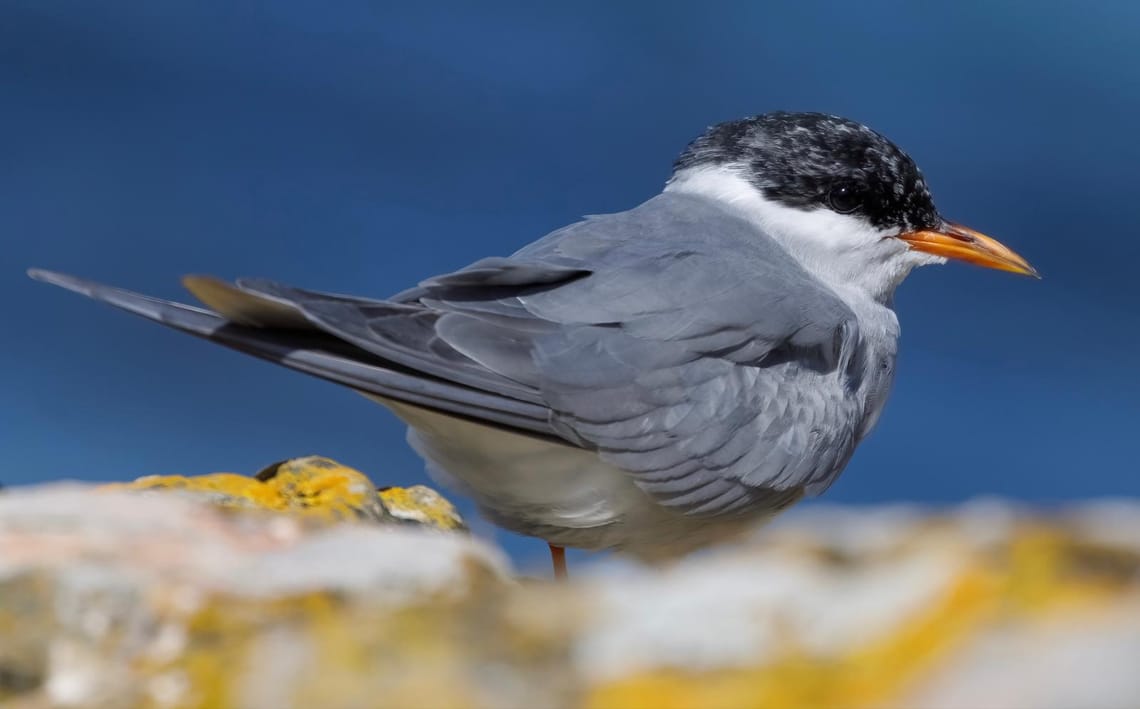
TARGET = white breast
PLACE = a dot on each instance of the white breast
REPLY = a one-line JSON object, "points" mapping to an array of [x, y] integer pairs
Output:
{"points": [[559, 493]]}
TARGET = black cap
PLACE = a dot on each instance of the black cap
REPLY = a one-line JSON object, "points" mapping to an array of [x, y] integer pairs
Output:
{"points": [[810, 160]]}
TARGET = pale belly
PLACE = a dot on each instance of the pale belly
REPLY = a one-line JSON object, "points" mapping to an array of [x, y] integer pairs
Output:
{"points": [[564, 495]]}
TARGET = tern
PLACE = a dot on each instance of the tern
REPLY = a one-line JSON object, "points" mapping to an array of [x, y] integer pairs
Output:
{"points": [[652, 381]]}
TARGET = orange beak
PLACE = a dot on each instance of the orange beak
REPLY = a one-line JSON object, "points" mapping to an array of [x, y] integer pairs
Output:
{"points": [[964, 244]]}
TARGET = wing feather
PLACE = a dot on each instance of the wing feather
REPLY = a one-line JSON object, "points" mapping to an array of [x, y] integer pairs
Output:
{"points": [[677, 340]]}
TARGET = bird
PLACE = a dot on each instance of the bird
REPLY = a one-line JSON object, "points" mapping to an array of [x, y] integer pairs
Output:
{"points": [[653, 381]]}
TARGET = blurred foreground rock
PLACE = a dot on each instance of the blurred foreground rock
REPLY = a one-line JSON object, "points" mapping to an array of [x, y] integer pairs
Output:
{"points": [[305, 587]]}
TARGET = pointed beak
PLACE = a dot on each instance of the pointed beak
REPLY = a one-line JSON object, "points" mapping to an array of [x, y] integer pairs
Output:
{"points": [[964, 244]]}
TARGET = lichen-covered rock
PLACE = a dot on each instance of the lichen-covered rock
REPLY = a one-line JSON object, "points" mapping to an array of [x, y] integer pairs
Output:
{"points": [[313, 487], [890, 607], [307, 588], [114, 599]]}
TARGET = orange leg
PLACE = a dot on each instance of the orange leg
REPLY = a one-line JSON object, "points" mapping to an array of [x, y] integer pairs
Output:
{"points": [[558, 557]]}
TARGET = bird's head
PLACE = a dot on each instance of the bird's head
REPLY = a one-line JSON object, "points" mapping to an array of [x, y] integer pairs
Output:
{"points": [[850, 204]]}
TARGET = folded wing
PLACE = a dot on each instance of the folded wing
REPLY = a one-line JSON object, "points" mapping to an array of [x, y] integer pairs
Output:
{"points": [[674, 339]]}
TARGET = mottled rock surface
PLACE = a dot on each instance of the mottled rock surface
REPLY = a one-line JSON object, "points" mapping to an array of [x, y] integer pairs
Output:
{"points": [[304, 586], [312, 487]]}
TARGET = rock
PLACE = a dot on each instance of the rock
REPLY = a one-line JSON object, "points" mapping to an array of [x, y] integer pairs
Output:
{"points": [[305, 587], [985, 606], [312, 487], [223, 590]]}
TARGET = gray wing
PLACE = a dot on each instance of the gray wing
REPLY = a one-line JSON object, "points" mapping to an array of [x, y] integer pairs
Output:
{"points": [[676, 340], [697, 355], [264, 329]]}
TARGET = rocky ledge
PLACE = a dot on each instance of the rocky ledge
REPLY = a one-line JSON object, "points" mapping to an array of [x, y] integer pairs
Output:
{"points": [[305, 586]]}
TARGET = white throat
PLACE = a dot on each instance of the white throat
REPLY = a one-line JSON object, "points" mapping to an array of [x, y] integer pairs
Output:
{"points": [[844, 251]]}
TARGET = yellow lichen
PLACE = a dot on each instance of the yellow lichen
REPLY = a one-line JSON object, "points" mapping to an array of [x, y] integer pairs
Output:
{"points": [[325, 488], [324, 649], [870, 675], [421, 504], [1039, 572], [312, 487]]}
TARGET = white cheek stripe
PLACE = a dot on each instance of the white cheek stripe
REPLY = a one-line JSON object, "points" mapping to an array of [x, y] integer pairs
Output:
{"points": [[843, 250]]}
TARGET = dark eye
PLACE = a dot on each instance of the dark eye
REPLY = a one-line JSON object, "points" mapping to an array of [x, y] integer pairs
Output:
{"points": [[845, 198]]}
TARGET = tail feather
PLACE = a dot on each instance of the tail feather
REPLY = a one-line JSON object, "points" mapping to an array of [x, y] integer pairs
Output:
{"points": [[245, 308], [271, 331]]}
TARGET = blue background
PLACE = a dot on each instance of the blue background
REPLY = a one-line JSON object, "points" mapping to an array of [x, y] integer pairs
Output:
{"points": [[360, 146]]}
